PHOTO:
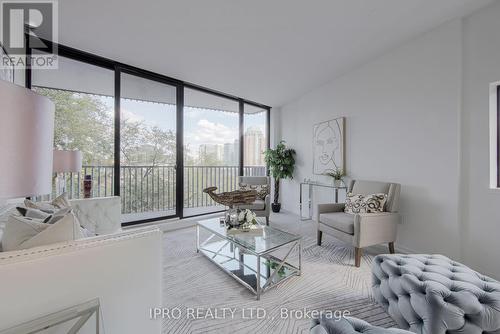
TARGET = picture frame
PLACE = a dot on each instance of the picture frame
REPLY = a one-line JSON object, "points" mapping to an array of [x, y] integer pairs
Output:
{"points": [[329, 146]]}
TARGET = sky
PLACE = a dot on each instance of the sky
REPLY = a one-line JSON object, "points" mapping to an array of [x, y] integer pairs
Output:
{"points": [[201, 126]]}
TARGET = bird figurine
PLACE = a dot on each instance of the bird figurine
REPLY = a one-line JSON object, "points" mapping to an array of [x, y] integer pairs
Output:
{"points": [[232, 198]]}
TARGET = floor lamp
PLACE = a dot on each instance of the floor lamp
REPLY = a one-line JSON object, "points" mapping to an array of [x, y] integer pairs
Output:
{"points": [[26, 141]]}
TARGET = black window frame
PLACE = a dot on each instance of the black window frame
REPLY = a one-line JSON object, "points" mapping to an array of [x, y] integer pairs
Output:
{"points": [[118, 68]]}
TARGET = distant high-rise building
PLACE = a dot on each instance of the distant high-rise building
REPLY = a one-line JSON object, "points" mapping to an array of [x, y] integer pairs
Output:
{"points": [[210, 154], [255, 145], [231, 153]]}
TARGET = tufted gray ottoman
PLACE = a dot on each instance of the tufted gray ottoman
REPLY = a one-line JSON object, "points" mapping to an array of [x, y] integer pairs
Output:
{"points": [[432, 294], [349, 325]]}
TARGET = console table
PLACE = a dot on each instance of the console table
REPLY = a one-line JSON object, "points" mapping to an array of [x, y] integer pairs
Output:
{"points": [[311, 185]]}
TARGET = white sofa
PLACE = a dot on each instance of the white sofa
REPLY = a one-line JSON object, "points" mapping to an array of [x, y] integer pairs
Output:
{"points": [[121, 268]]}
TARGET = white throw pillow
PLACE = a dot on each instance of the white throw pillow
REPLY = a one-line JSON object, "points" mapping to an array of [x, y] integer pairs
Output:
{"points": [[5, 212], [19, 229], [65, 229], [32, 213], [58, 215], [22, 232], [60, 202]]}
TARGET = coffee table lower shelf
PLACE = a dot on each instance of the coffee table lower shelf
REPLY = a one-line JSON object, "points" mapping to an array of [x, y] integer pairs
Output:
{"points": [[257, 272]]}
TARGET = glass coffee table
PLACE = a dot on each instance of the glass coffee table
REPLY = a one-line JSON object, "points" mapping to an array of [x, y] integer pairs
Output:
{"points": [[259, 261]]}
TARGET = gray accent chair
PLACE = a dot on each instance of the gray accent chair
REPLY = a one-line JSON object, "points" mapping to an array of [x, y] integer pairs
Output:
{"points": [[262, 208], [431, 294], [349, 325], [362, 229]]}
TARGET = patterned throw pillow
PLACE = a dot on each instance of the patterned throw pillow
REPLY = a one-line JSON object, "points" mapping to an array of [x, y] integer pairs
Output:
{"points": [[353, 203], [262, 189], [357, 203]]}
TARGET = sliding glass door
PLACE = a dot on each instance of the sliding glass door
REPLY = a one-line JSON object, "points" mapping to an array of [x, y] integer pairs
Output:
{"points": [[148, 148], [211, 149], [255, 140], [84, 121]]}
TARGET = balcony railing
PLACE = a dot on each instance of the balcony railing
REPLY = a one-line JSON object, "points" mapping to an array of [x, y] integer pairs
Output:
{"points": [[149, 189]]}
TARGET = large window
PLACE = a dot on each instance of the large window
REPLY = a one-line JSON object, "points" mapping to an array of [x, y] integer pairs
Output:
{"points": [[155, 141], [211, 149]]}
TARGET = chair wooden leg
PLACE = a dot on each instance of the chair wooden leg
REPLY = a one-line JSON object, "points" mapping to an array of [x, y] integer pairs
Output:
{"points": [[320, 234], [357, 256], [267, 221], [391, 247]]}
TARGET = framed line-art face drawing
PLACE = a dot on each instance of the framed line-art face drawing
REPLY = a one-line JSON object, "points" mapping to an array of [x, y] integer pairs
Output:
{"points": [[329, 146]]}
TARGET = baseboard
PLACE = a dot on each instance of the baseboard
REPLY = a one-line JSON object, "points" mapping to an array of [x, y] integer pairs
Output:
{"points": [[398, 248], [175, 224]]}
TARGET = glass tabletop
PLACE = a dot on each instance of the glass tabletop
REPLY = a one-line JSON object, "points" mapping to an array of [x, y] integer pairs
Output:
{"points": [[270, 239]]}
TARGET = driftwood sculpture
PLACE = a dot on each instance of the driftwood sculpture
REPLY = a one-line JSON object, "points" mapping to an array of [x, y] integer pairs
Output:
{"points": [[232, 198]]}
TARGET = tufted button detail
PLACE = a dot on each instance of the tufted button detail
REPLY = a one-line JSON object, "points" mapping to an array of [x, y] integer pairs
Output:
{"points": [[434, 278], [350, 325]]}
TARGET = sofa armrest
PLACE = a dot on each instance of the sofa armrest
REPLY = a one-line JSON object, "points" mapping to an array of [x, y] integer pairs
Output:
{"points": [[100, 215], [375, 228], [267, 205], [267, 199], [328, 207]]}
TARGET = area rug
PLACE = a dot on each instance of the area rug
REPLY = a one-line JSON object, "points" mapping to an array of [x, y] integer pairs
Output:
{"points": [[201, 298]]}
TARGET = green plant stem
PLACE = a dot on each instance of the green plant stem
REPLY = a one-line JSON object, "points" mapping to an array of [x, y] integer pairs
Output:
{"points": [[276, 191]]}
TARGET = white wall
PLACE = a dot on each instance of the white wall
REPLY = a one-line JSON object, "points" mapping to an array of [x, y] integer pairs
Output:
{"points": [[404, 124], [480, 205], [401, 126]]}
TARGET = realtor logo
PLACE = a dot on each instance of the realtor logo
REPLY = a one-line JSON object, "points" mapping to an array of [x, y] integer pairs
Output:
{"points": [[25, 25]]}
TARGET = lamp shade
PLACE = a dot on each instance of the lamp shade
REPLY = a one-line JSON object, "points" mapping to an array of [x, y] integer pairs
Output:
{"points": [[26, 141], [67, 161]]}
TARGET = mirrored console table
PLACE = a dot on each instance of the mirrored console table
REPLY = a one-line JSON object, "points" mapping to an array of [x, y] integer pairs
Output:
{"points": [[310, 185]]}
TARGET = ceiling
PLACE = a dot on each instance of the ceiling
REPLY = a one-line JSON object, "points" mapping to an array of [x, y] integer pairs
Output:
{"points": [[266, 51]]}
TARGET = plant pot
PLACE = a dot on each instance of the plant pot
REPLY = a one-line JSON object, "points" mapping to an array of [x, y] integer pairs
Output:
{"points": [[276, 207], [338, 183]]}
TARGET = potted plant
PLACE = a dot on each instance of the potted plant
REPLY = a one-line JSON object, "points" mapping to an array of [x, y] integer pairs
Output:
{"points": [[281, 164], [337, 175]]}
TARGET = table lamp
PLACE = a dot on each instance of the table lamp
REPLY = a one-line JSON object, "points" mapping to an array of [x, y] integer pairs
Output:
{"points": [[66, 161], [26, 141]]}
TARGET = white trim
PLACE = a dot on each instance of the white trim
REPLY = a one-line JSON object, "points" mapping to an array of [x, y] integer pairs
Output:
{"points": [[493, 135], [173, 224], [398, 249], [75, 245]]}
